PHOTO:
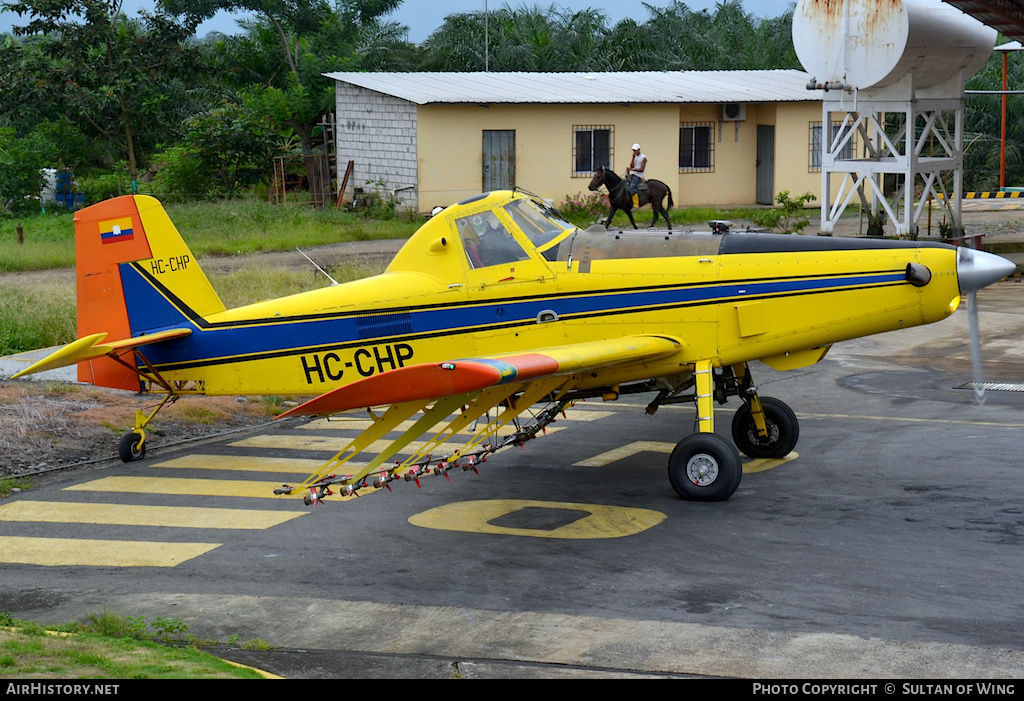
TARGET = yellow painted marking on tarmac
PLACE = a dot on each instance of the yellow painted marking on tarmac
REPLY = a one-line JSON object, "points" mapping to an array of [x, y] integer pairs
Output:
{"points": [[243, 463], [626, 451], [620, 404], [132, 515], [178, 486], [55, 552], [637, 447], [363, 424], [986, 424], [596, 521], [323, 443], [332, 444], [763, 464]]}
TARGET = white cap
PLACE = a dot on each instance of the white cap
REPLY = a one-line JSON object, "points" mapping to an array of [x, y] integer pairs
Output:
{"points": [[636, 147]]}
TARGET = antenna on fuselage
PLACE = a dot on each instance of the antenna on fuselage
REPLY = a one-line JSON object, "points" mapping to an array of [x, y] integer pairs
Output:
{"points": [[333, 281]]}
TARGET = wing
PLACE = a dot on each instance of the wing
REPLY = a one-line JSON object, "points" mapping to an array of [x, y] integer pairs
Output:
{"points": [[89, 347], [450, 378], [458, 393]]}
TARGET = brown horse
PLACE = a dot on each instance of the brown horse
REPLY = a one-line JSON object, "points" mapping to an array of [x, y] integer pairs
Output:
{"points": [[620, 198]]}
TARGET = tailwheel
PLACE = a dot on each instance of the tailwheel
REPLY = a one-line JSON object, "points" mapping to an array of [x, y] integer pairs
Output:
{"points": [[132, 446], [705, 467], [781, 422]]}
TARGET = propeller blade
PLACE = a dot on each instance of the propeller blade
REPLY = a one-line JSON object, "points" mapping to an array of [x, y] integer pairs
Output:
{"points": [[976, 269], [972, 323]]}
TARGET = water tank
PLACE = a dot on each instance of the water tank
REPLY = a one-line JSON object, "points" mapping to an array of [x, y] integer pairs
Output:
{"points": [[874, 43]]}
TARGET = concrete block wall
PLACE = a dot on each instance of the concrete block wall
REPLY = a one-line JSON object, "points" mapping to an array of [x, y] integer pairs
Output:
{"points": [[378, 132]]}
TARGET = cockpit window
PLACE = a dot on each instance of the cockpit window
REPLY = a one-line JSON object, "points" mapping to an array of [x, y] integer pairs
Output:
{"points": [[541, 223], [487, 241]]}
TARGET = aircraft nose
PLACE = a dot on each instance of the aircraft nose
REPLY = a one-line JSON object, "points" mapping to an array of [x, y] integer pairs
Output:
{"points": [[977, 269]]}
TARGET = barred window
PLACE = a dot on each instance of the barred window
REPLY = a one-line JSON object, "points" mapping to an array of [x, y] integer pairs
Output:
{"points": [[696, 148], [817, 148], [591, 149]]}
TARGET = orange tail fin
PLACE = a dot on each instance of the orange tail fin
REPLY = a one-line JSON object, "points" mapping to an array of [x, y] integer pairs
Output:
{"points": [[113, 233]]}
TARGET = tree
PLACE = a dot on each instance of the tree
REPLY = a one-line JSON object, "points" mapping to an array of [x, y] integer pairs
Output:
{"points": [[224, 148], [112, 75], [523, 39], [291, 43], [552, 39], [21, 164], [727, 39]]}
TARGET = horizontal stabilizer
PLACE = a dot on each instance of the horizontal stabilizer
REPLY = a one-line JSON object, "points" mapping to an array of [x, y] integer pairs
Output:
{"points": [[436, 380], [89, 347]]}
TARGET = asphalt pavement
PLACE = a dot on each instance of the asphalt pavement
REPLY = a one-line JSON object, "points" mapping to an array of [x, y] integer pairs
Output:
{"points": [[889, 545]]}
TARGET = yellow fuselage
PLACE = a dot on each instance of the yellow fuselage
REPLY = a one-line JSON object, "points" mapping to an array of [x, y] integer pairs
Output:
{"points": [[727, 299]]}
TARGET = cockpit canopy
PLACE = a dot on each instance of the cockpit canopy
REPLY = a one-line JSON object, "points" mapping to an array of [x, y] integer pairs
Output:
{"points": [[487, 239]]}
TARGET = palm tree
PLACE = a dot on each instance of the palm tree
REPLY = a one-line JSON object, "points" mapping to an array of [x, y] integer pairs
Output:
{"points": [[552, 39]]}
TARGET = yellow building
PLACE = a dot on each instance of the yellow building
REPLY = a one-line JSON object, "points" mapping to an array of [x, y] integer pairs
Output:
{"points": [[715, 137]]}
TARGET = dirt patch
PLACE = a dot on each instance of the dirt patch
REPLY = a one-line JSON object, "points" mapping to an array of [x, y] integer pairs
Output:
{"points": [[44, 425]]}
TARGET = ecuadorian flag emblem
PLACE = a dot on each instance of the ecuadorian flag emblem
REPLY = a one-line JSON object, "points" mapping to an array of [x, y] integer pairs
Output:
{"points": [[116, 230]]}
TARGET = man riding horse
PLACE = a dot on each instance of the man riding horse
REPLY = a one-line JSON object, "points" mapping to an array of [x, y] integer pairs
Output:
{"points": [[621, 195]]}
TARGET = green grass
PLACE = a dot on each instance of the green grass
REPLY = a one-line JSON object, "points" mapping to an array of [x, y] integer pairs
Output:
{"points": [[49, 242], [109, 646], [36, 314], [228, 227], [236, 226], [9, 484], [40, 312], [254, 283]]}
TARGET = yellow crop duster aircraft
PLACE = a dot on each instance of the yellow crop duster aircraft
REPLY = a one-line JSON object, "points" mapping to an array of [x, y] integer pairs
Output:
{"points": [[498, 303]]}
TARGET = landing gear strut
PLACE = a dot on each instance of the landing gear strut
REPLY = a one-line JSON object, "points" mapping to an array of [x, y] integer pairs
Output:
{"points": [[782, 429], [132, 446], [705, 466]]}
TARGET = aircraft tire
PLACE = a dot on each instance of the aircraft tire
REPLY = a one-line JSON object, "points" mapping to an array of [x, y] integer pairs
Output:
{"points": [[705, 467], [128, 447], [783, 430]]}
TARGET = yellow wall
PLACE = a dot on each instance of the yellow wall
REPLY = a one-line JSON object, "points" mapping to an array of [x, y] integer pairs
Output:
{"points": [[449, 148], [450, 145]]}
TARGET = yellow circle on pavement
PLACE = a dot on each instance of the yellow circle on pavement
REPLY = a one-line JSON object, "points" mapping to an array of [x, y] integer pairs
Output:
{"points": [[595, 521]]}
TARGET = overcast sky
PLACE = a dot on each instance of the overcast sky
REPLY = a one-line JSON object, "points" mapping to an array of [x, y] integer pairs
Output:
{"points": [[424, 16]]}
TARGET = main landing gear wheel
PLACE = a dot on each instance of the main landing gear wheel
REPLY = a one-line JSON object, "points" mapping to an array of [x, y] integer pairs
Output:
{"points": [[705, 467], [783, 430], [132, 446]]}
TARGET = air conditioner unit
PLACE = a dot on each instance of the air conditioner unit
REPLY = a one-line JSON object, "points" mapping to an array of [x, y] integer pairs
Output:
{"points": [[733, 112]]}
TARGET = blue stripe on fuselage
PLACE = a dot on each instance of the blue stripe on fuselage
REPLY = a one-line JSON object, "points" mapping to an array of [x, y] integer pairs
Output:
{"points": [[150, 311]]}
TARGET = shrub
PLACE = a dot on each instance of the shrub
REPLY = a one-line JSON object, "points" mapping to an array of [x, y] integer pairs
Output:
{"points": [[584, 209], [786, 218]]}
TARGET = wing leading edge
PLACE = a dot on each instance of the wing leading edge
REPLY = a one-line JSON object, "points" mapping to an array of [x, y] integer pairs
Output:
{"points": [[437, 380]]}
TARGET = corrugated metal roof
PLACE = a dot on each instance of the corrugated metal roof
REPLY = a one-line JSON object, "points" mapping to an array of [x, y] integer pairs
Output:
{"points": [[589, 88], [1007, 16]]}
